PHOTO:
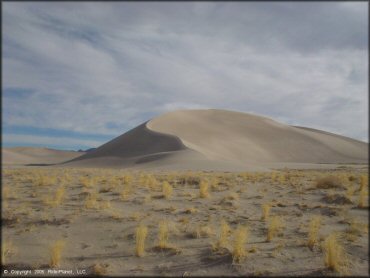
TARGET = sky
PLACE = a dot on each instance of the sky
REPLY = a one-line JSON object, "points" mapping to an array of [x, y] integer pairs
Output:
{"points": [[76, 75]]}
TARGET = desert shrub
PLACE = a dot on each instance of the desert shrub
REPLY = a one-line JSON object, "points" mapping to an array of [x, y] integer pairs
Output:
{"points": [[265, 211], [163, 234], [166, 189], [141, 233], [7, 249], [314, 227], [275, 226], [334, 255], [56, 253], [203, 189], [363, 197], [91, 201], [222, 240], [240, 239]]}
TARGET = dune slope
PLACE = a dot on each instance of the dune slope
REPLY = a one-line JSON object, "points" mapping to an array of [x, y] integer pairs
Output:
{"points": [[205, 139]]}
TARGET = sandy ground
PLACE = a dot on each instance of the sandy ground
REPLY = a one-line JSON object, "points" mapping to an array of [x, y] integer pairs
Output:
{"points": [[95, 214]]}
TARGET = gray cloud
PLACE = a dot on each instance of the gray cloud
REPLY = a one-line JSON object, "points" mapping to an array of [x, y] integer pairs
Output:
{"points": [[106, 67]]}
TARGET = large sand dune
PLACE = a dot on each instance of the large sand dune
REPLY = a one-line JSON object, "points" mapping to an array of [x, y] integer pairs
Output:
{"points": [[222, 140], [33, 155]]}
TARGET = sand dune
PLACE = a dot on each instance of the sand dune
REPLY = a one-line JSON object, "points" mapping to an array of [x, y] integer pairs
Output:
{"points": [[220, 139], [32, 155]]}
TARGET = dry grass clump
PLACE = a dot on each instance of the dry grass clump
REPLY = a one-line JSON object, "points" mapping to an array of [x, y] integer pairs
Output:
{"points": [[313, 231], [7, 249], [203, 189], [357, 228], [86, 182], [240, 239], [329, 182], [99, 269], [363, 197], [282, 179], [163, 234], [222, 240], [202, 231], [190, 210], [265, 211], [140, 236], [335, 257], [166, 189], [56, 253], [275, 226], [127, 179], [57, 199], [91, 201]]}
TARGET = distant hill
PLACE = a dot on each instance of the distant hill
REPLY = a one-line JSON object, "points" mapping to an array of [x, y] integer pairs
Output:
{"points": [[33, 155]]}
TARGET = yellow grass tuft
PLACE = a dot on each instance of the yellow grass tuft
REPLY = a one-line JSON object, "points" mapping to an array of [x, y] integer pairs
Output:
{"points": [[363, 182], [91, 201], [59, 195], [203, 189], [56, 253], [163, 235], [141, 233], [222, 241], [265, 211], [275, 226], [335, 257], [7, 249], [363, 197], [313, 231], [167, 189], [240, 239]]}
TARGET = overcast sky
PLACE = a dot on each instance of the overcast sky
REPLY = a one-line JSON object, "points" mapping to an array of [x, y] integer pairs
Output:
{"points": [[76, 75]]}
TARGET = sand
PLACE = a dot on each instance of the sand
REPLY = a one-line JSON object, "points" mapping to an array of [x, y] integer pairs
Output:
{"points": [[222, 140], [33, 155]]}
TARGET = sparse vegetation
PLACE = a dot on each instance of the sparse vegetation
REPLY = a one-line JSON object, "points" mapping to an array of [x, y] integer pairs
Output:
{"points": [[222, 240], [314, 227], [141, 233], [163, 234], [61, 204], [335, 257], [329, 182], [56, 250], [203, 189], [240, 239], [274, 227], [265, 211], [167, 189]]}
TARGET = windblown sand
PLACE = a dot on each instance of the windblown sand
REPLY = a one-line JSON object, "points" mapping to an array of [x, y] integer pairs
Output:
{"points": [[97, 212]]}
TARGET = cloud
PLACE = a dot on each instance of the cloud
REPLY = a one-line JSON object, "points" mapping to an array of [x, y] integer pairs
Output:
{"points": [[103, 68]]}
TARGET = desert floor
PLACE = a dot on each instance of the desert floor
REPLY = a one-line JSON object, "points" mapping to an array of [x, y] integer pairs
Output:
{"points": [[210, 224]]}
